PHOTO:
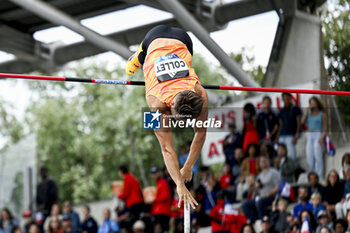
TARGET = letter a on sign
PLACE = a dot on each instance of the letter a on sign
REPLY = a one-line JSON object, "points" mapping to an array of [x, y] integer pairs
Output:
{"points": [[213, 150]]}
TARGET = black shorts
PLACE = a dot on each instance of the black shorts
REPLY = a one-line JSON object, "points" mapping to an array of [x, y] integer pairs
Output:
{"points": [[162, 31]]}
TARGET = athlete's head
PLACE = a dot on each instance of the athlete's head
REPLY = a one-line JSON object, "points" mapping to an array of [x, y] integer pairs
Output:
{"points": [[187, 104]]}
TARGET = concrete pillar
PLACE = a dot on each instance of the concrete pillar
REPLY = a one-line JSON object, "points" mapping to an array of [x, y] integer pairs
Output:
{"points": [[299, 55]]}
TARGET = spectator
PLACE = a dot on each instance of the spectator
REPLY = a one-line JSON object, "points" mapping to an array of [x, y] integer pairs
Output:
{"points": [[55, 225], [161, 206], [325, 230], [158, 228], [16, 229], [89, 224], [108, 224], [247, 228], [236, 169], [307, 215], [348, 221], [123, 217], [139, 227], [249, 191], [267, 186], [225, 219], [266, 149], [304, 204], [314, 185], [250, 133], [290, 125], [316, 204], [227, 183], [132, 193], [333, 192], [179, 225], [266, 225], [340, 226], [267, 122], [28, 220], [34, 228], [285, 164], [232, 141], [73, 216], [250, 165], [345, 164], [342, 206], [219, 223], [47, 192], [226, 178], [206, 197], [55, 212], [67, 224], [323, 221], [316, 121], [279, 216], [7, 221]]}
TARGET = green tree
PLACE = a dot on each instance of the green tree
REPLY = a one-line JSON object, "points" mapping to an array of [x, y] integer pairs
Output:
{"points": [[247, 62], [336, 33], [16, 201], [11, 130]]}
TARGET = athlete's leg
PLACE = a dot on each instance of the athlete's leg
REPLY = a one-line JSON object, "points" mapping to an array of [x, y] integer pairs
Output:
{"points": [[133, 63]]}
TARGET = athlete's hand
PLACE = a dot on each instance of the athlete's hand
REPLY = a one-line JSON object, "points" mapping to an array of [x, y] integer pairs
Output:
{"points": [[185, 196], [186, 174]]}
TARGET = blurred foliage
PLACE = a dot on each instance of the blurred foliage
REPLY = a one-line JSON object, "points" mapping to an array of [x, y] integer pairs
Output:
{"points": [[336, 34], [247, 62], [86, 131], [209, 74], [11, 130], [16, 201]]}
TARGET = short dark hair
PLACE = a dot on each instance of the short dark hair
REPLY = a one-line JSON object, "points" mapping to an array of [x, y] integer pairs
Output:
{"points": [[87, 207], [123, 169], [247, 225], [341, 222], [266, 97], [312, 174], [264, 157], [286, 94], [189, 104], [284, 147], [345, 159], [304, 187]]}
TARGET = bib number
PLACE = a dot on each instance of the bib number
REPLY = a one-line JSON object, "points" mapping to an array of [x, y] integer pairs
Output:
{"points": [[169, 67]]}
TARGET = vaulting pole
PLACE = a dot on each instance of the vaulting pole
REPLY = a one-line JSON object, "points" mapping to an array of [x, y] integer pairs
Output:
{"points": [[187, 218], [141, 83]]}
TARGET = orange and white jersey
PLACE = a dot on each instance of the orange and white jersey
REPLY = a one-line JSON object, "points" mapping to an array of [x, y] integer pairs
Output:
{"points": [[168, 71]]}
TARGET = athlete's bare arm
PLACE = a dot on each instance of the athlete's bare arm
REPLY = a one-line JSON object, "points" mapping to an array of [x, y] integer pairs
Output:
{"points": [[199, 137], [165, 139]]}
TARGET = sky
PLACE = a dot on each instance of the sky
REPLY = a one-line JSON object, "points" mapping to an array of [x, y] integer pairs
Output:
{"points": [[254, 33]]}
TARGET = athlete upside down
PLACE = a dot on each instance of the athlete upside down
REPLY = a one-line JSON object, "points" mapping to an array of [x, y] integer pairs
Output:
{"points": [[173, 88]]}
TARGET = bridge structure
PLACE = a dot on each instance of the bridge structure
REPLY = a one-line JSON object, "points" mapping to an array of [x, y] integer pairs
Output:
{"points": [[296, 55]]}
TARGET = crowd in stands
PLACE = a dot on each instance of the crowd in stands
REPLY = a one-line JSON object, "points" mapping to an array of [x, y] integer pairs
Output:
{"points": [[256, 191]]}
